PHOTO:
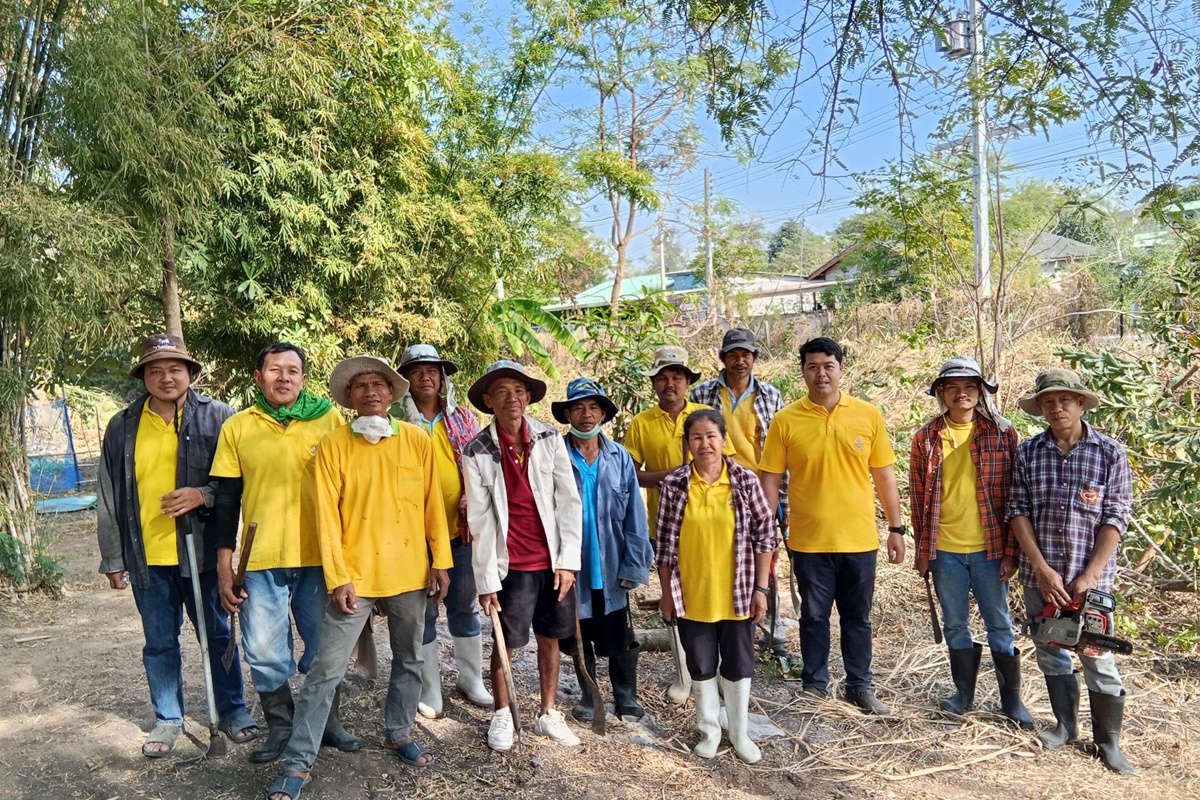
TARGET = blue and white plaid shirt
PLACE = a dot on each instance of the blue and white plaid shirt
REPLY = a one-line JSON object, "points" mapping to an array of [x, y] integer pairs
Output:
{"points": [[1068, 498]]}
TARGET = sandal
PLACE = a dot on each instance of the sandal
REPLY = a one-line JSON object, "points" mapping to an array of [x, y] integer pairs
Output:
{"points": [[167, 733], [291, 785], [239, 727], [411, 752]]}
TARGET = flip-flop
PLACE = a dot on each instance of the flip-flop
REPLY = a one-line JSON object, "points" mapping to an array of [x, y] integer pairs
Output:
{"points": [[291, 785], [410, 752], [167, 733], [240, 727]]}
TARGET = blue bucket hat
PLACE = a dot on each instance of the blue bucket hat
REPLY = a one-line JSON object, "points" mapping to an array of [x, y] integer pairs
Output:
{"points": [[583, 389]]}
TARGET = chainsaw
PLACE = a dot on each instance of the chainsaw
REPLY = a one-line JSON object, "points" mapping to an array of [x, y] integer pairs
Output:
{"points": [[1085, 627]]}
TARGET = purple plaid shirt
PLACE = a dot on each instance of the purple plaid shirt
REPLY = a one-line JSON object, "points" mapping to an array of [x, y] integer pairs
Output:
{"points": [[1068, 498], [753, 530]]}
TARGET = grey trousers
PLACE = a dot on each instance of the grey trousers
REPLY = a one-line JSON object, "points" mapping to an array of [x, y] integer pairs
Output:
{"points": [[339, 633], [1100, 672]]}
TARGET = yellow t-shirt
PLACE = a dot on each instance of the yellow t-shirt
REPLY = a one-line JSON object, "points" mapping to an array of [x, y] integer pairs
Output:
{"points": [[379, 511], [706, 558], [448, 475], [829, 458], [745, 431], [155, 452], [960, 526], [276, 465], [655, 442]]}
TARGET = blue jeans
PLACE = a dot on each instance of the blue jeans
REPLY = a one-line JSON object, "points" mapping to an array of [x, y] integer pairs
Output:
{"points": [[957, 576], [1100, 672], [267, 629], [462, 610], [847, 579], [161, 604]]}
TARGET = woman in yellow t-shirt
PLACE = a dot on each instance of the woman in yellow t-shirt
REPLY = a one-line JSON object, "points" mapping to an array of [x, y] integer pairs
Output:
{"points": [[716, 536]]}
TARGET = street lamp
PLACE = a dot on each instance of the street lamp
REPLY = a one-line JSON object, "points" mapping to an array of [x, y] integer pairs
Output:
{"points": [[964, 36]]}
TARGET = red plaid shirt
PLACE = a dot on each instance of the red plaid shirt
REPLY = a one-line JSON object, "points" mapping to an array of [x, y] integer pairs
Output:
{"points": [[993, 453], [753, 530]]}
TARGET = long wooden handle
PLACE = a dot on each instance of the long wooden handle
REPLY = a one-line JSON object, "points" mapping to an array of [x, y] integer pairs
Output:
{"points": [[599, 717], [244, 558], [933, 615], [506, 668]]}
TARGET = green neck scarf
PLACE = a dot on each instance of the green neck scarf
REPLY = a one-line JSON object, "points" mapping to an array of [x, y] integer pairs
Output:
{"points": [[306, 407]]}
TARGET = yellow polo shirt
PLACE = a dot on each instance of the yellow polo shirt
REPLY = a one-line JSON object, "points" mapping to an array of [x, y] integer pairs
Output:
{"points": [[706, 558], [655, 442], [155, 452], [829, 458], [960, 525], [276, 465], [447, 470], [379, 511], [745, 430]]}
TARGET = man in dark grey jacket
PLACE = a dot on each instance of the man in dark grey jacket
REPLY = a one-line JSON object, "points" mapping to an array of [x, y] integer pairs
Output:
{"points": [[155, 489]]}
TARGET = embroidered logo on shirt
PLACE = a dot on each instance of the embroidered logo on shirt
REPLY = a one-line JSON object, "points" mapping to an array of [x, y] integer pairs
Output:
{"points": [[858, 443], [1090, 496]]}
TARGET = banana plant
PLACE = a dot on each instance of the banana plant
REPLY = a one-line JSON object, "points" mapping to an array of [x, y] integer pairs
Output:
{"points": [[519, 321]]}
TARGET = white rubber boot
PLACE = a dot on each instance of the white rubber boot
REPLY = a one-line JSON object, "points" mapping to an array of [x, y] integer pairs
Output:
{"points": [[708, 717], [737, 707], [681, 689], [430, 704], [468, 659]]}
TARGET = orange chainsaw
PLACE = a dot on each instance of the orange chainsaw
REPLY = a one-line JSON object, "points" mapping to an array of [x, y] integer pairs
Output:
{"points": [[1085, 626]]}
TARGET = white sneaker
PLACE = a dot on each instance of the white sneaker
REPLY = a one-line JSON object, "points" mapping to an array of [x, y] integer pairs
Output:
{"points": [[500, 732], [554, 725]]}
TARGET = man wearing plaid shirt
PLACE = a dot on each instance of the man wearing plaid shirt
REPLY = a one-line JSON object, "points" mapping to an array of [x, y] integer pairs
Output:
{"points": [[1069, 507], [960, 471], [748, 406]]}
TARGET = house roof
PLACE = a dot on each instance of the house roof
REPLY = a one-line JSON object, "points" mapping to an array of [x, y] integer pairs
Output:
{"points": [[633, 287], [832, 263], [1047, 247]]}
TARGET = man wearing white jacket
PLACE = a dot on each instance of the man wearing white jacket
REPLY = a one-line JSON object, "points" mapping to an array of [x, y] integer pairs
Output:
{"points": [[524, 511]]}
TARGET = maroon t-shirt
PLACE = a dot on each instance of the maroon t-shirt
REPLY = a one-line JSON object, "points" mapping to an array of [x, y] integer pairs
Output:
{"points": [[528, 550]]}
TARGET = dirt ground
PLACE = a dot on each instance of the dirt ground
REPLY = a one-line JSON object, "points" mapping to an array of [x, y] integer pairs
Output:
{"points": [[76, 710]]}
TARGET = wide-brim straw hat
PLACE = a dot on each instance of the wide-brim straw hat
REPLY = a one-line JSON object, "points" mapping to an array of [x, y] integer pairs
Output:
{"points": [[1057, 379], [350, 368], [583, 389], [504, 369], [163, 346]]}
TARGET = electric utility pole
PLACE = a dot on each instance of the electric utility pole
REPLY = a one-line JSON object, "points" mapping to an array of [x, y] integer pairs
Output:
{"points": [[709, 281]]}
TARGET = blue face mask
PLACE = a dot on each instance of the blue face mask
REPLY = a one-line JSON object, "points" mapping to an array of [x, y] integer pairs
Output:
{"points": [[592, 434]]}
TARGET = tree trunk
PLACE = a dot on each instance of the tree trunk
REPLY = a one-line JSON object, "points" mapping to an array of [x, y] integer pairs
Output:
{"points": [[173, 317], [622, 257], [16, 506]]}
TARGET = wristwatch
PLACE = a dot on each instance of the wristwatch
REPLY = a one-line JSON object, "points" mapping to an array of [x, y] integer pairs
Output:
{"points": [[762, 589], [900, 529]]}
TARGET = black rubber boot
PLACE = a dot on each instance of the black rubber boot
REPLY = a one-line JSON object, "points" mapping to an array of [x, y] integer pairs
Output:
{"points": [[585, 708], [335, 735], [278, 709], [1008, 676], [1107, 714], [622, 670], [964, 669], [1064, 701]]}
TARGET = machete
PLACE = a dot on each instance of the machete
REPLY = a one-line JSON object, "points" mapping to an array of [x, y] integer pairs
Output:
{"points": [[239, 586]]}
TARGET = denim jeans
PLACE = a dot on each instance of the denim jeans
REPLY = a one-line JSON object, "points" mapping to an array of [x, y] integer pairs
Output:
{"points": [[339, 633], [161, 604], [462, 609], [267, 629], [847, 579], [957, 576], [1100, 671]]}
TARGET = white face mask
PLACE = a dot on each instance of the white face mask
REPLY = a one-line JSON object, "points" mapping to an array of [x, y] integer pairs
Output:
{"points": [[373, 429]]}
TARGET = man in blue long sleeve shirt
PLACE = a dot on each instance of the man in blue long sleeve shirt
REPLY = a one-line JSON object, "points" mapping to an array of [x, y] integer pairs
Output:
{"points": [[616, 545]]}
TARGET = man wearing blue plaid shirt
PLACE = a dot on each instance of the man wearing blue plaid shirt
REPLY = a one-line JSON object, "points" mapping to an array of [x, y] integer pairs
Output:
{"points": [[748, 405], [1069, 507]]}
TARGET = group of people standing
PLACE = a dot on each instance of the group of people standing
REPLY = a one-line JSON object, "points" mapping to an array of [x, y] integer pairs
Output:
{"points": [[412, 505]]}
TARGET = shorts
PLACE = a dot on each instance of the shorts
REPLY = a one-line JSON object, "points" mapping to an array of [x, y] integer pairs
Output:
{"points": [[727, 645], [529, 598]]}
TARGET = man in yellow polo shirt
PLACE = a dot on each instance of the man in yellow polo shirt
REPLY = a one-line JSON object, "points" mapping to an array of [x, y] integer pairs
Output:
{"points": [[265, 462], [833, 447], [655, 442], [749, 405], [382, 529]]}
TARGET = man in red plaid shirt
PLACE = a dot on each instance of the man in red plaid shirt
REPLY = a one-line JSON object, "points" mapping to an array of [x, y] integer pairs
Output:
{"points": [[960, 472]]}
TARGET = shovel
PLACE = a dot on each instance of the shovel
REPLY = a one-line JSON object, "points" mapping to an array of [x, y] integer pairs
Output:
{"points": [[506, 669], [239, 585], [216, 744]]}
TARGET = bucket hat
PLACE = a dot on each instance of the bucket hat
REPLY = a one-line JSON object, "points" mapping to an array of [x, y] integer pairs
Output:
{"points": [[672, 356], [582, 389], [161, 346], [425, 354], [350, 368], [1057, 379], [503, 369], [960, 367]]}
